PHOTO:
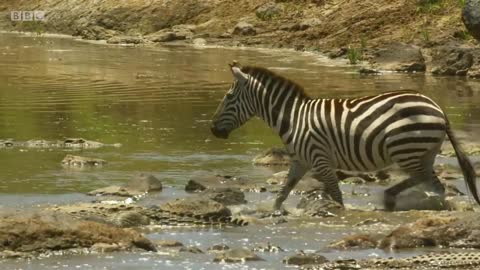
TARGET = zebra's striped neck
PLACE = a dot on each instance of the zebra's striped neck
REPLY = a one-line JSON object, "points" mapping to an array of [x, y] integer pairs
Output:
{"points": [[276, 100]]}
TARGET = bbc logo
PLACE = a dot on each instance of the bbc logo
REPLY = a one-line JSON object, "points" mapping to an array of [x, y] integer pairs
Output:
{"points": [[36, 15]]}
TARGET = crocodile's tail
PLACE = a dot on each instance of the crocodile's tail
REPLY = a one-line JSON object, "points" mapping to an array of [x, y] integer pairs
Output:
{"points": [[174, 218]]}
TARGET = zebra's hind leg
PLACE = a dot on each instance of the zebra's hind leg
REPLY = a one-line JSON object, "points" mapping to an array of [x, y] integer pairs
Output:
{"points": [[436, 185], [420, 170], [329, 178], [295, 173], [392, 192]]}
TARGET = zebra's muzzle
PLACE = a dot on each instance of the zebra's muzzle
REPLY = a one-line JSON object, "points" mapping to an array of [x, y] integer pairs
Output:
{"points": [[219, 133]]}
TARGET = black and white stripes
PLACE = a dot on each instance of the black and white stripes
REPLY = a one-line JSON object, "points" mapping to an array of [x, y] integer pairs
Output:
{"points": [[359, 134]]}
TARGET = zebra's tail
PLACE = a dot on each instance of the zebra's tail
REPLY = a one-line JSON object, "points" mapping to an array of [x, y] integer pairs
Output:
{"points": [[465, 164]]}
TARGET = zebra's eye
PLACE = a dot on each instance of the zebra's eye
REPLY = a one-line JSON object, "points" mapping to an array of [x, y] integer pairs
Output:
{"points": [[229, 95]]}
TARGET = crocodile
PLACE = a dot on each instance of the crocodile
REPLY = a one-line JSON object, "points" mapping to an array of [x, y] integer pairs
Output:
{"points": [[125, 215], [75, 143], [429, 261]]}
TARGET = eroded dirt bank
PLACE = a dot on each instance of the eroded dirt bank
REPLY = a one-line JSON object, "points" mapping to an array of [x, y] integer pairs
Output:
{"points": [[328, 26]]}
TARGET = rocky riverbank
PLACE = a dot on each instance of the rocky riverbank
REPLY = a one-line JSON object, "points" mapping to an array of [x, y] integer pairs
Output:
{"points": [[119, 219], [399, 35]]}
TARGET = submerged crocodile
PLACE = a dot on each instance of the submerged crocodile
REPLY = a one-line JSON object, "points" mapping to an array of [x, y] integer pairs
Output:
{"points": [[429, 261], [123, 215], [66, 143]]}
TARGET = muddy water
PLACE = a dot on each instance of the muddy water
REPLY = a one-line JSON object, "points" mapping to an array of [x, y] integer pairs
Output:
{"points": [[157, 103]]}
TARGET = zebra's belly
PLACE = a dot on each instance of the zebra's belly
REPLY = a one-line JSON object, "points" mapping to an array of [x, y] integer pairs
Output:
{"points": [[347, 163]]}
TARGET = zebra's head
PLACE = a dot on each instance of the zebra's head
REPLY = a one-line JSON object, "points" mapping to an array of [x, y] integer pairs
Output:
{"points": [[234, 110]]}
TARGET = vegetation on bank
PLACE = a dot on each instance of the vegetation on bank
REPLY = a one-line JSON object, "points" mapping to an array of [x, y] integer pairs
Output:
{"points": [[309, 24]]}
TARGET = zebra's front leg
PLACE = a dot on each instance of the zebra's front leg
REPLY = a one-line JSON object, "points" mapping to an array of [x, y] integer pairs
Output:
{"points": [[295, 173]]}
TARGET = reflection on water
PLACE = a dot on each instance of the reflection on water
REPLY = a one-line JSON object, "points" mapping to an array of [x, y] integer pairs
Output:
{"points": [[157, 102]]}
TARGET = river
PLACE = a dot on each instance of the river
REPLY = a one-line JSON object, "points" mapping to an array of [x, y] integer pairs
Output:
{"points": [[157, 103]]}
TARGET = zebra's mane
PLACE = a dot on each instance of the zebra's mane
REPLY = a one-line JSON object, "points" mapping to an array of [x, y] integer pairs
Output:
{"points": [[261, 72]]}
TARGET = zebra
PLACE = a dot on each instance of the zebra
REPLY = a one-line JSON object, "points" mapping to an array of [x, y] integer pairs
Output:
{"points": [[367, 133]]}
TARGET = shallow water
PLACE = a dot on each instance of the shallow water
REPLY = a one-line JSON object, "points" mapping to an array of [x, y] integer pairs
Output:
{"points": [[157, 102]]}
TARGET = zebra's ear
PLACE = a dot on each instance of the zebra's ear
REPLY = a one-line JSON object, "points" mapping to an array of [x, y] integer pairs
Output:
{"points": [[235, 64], [239, 75]]}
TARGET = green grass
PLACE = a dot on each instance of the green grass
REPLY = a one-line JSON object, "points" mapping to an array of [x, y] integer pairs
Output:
{"points": [[36, 27], [425, 34], [354, 55], [429, 6], [463, 35]]}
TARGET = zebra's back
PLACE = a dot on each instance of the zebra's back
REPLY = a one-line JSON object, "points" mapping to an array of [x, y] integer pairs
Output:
{"points": [[372, 132]]}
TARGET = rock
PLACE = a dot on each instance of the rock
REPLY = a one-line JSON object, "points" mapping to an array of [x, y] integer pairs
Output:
{"points": [[8, 254], [6, 143], [267, 247], [245, 29], [452, 190], [369, 221], [293, 27], [360, 241], [399, 57], [453, 204], [287, 26], [225, 196], [184, 27], [168, 243], [278, 178], [225, 35], [199, 42], [448, 232], [303, 259], [273, 157], [192, 249], [451, 60], [46, 232], [237, 255], [305, 185], [162, 36], [105, 248], [218, 247], [269, 10], [122, 39], [474, 71], [311, 22], [205, 182], [95, 32], [144, 183], [369, 71], [337, 53], [470, 149], [136, 187], [196, 206], [471, 17], [167, 35], [115, 191], [78, 161]]}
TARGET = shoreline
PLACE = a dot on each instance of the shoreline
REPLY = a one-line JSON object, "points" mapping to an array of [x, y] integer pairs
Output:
{"points": [[357, 31]]}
